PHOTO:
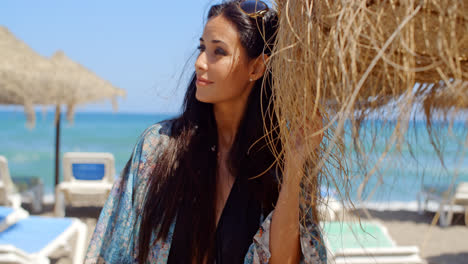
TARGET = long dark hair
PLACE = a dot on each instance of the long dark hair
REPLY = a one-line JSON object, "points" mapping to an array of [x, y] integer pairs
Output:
{"points": [[185, 175]]}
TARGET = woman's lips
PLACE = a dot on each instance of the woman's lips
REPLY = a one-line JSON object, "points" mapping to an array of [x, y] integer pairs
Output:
{"points": [[201, 81]]}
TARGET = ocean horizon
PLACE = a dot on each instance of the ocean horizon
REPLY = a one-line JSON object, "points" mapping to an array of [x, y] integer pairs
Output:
{"points": [[31, 152]]}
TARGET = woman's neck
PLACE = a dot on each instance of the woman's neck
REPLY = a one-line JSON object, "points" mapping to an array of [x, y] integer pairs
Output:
{"points": [[228, 118]]}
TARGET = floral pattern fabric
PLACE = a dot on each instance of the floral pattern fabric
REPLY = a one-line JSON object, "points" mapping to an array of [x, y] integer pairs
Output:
{"points": [[116, 234]]}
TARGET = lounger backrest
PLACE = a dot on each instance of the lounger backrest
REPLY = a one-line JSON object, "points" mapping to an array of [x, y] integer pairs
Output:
{"points": [[88, 166], [88, 171]]}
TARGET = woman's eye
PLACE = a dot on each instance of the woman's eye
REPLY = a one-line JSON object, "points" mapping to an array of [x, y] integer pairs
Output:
{"points": [[217, 51], [220, 51]]}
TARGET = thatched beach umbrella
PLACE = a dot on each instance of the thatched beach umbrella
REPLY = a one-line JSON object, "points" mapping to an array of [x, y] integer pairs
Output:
{"points": [[364, 61], [28, 79]]}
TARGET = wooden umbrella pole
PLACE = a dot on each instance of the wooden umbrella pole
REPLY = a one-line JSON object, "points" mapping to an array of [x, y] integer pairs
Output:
{"points": [[57, 144]]}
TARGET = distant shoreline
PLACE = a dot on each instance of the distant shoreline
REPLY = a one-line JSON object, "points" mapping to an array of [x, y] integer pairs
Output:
{"points": [[411, 206]]}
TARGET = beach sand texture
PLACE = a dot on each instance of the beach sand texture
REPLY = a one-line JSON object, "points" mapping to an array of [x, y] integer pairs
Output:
{"points": [[437, 245]]}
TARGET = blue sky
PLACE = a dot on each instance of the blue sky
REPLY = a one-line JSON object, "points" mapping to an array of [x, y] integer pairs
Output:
{"points": [[140, 46]]}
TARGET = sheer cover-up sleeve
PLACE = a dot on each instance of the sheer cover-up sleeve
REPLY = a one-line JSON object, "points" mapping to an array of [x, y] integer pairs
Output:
{"points": [[114, 238], [312, 247]]}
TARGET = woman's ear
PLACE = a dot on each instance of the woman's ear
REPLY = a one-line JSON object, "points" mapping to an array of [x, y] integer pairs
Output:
{"points": [[258, 67]]}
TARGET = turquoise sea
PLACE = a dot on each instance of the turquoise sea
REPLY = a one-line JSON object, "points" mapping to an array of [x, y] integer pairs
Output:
{"points": [[30, 152]]}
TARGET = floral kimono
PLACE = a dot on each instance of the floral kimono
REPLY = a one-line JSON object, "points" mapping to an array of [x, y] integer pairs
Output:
{"points": [[116, 235]]}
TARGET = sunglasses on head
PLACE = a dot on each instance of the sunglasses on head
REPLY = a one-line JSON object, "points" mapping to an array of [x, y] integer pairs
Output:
{"points": [[253, 8]]}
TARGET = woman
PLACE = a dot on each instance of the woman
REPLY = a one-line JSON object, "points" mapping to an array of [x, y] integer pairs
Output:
{"points": [[201, 188]]}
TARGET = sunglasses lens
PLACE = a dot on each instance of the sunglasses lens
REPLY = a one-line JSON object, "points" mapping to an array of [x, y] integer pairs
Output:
{"points": [[253, 6]]}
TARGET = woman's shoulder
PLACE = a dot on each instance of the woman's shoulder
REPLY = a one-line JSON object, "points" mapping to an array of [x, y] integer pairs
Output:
{"points": [[150, 146], [158, 130], [153, 141], [155, 135]]}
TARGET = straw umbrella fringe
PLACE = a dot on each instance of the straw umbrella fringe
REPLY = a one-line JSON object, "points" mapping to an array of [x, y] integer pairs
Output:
{"points": [[87, 86]]}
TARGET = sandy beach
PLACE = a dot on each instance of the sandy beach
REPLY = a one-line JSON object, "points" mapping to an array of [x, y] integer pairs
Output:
{"points": [[437, 245]]}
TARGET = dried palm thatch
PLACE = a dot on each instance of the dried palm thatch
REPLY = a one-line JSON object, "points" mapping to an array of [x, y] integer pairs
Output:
{"points": [[23, 73], [83, 85], [27, 78], [361, 61]]}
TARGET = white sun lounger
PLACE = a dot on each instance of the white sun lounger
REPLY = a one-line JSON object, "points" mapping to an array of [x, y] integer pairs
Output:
{"points": [[9, 216], [36, 239], [8, 195], [447, 198], [87, 180], [365, 243]]}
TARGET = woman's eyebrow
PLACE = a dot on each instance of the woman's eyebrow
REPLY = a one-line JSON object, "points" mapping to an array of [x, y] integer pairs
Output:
{"points": [[214, 41]]}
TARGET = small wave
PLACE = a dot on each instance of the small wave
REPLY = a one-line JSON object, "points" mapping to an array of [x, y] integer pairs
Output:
{"points": [[77, 149], [25, 157]]}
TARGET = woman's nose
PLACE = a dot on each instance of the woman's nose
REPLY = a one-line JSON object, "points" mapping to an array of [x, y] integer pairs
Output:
{"points": [[200, 63]]}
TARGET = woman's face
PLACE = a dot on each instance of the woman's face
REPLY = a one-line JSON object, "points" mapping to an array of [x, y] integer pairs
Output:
{"points": [[222, 67]]}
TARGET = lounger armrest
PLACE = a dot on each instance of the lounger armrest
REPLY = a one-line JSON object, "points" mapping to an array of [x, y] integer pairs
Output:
{"points": [[11, 249], [461, 197], [84, 187], [394, 251], [75, 232], [12, 218], [14, 200], [11, 254]]}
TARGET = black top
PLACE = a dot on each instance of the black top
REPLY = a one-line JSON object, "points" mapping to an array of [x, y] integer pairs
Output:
{"points": [[237, 226]]}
